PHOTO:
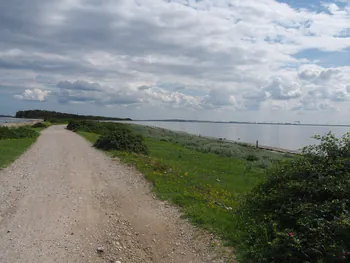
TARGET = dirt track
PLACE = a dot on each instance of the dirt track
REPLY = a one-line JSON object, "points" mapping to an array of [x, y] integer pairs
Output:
{"points": [[63, 199]]}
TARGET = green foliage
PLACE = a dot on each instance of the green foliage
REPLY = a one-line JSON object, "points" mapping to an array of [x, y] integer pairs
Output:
{"points": [[91, 137], [252, 158], [41, 125], [74, 125], [300, 213], [114, 136], [52, 115], [17, 133], [224, 148], [57, 121], [122, 140]]}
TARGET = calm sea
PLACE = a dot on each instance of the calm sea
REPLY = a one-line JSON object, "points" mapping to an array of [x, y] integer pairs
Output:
{"points": [[292, 137], [9, 120]]}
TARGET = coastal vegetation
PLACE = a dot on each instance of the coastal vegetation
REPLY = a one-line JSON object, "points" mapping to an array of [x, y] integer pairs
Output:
{"points": [[301, 211], [43, 124], [17, 133], [114, 136]]}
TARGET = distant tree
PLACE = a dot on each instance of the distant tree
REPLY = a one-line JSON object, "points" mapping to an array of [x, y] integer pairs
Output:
{"points": [[47, 115]]}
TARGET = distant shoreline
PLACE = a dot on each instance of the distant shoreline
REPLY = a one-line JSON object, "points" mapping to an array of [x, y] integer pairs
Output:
{"points": [[19, 123], [256, 123]]}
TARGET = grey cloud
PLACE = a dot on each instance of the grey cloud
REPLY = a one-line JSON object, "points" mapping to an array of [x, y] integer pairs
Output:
{"points": [[83, 91], [339, 95], [144, 87], [252, 99], [329, 93], [251, 105], [218, 98], [95, 27], [171, 86], [78, 85], [125, 43], [282, 90], [313, 104], [318, 75], [327, 107], [103, 98], [307, 74], [257, 95]]}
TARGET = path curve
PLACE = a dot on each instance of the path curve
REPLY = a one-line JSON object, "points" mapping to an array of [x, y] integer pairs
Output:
{"points": [[62, 199]]}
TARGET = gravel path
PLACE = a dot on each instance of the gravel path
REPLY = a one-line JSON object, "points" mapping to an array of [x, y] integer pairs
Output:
{"points": [[62, 200]]}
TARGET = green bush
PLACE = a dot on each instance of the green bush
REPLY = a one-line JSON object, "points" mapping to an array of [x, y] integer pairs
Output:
{"points": [[40, 125], [16, 133], [115, 136], [57, 121], [252, 158], [123, 140], [301, 212], [102, 128], [73, 125]]}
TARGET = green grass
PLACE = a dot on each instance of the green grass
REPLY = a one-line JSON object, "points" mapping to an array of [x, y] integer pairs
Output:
{"points": [[10, 150], [91, 137], [207, 186], [37, 129], [258, 157]]}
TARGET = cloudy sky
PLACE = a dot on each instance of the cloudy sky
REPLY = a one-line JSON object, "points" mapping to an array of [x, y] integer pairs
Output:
{"points": [[240, 60]]}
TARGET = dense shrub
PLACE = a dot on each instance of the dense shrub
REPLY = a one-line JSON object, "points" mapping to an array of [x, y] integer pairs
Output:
{"points": [[300, 213], [115, 136], [252, 158], [123, 140], [41, 125], [103, 128], [16, 133], [73, 125]]}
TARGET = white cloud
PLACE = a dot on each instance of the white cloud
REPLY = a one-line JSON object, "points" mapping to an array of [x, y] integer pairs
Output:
{"points": [[318, 75], [280, 89], [219, 98], [236, 55], [33, 95]]}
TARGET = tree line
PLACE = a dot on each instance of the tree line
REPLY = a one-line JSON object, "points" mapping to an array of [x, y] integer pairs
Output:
{"points": [[47, 115]]}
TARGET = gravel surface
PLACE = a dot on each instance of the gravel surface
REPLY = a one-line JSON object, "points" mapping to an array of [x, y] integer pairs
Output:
{"points": [[64, 201]]}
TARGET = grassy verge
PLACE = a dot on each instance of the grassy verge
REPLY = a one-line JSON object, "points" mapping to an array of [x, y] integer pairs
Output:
{"points": [[91, 137], [16, 141], [10, 150], [207, 185]]}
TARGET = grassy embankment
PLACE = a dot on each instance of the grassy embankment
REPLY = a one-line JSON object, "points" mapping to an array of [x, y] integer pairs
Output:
{"points": [[15, 141], [205, 177]]}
